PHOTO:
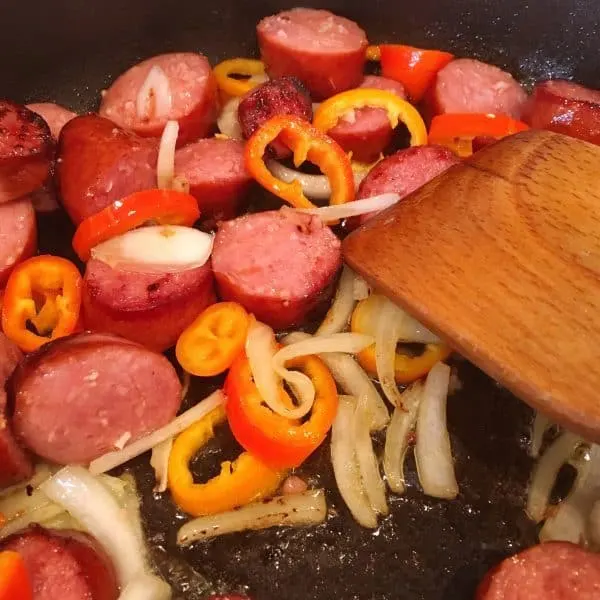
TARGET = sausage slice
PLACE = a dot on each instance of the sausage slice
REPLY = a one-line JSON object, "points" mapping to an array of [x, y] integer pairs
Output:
{"points": [[325, 51], [149, 308], [279, 265], [26, 151], [64, 565], [55, 115], [18, 234], [80, 397]]}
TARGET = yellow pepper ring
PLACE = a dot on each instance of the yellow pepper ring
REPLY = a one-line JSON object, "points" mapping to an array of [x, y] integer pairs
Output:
{"points": [[406, 368], [240, 482], [373, 53], [330, 111], [238, 66]]}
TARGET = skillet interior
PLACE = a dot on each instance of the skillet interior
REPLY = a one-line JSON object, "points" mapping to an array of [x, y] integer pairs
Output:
{"points": [[67, 50]]}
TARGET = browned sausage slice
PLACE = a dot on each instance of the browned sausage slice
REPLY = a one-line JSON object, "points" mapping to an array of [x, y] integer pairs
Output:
{"points": [[15, 464], [26, 151], [79, 397], [216, 172], [466, 85], [549, 571], [191, 97], [99, 162], [325, 51], [278, 264], [565, 107], [282, 96], [367, 132], [149, 308], [64, 565]]}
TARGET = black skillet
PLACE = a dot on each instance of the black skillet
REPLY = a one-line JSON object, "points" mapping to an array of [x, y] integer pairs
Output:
{"points": [[68, 50]]}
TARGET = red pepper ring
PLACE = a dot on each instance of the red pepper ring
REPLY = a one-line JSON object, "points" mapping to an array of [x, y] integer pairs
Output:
{"points": [[44, 291], [277, 441], [307, 143]]}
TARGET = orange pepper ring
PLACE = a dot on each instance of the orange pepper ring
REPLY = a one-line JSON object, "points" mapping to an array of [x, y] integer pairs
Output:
{"points": [[239, 483], [307, 142]]}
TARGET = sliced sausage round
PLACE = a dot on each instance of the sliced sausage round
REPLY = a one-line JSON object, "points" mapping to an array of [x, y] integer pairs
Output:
{"points": [[325, 51], [466, 85], [216, 172], [15, 464], [366, 132], [279, 265], [282, 96], [191, 97], [565, 107], [549, 571], [99, 162], [26, 151], [64, 565], [406, 171], [149, 308], [55, 115], [18, 234], [80, 397]]}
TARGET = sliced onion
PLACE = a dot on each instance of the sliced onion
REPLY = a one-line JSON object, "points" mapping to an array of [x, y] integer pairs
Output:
{"points": [[433, 452], [351, 378], [228, 121], [541, 424], [338, 315], [175, 427], [261, 347], [368, 465], [545, 473], [307, 508], [159, 461], [146, 587], [361, 288], [570, 521], [165, 166], [345, 465], [300, 384], [397, 437], [353, 209], [41, 473], [154, 99], [78, 492], [157, 249], [389, 322]]}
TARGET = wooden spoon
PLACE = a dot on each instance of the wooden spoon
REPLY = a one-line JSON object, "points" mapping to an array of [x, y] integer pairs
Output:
{"points": [[501, 257]]}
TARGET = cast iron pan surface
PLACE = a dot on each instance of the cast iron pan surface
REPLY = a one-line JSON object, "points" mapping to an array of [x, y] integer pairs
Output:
{"points": [[66, 51]]}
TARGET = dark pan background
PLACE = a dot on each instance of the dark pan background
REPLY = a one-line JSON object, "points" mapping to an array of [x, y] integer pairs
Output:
{"points": [[67, 51]]}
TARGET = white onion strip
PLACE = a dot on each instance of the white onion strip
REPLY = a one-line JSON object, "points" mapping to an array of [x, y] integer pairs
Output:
{"points": [[433, 452], [353, 209], [146, 587], [397, 437], [570, 521], [260, 350], [154, 99], [541, 424], [361, 288], [389, 322], [351, 378], [307, 508], [338, 315], [176, 426], [165, 166], [345, 466], [300, 384], [78, 492], [368, 465], [228, 121], [157, 249], [159, 461], [545, 473]]}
